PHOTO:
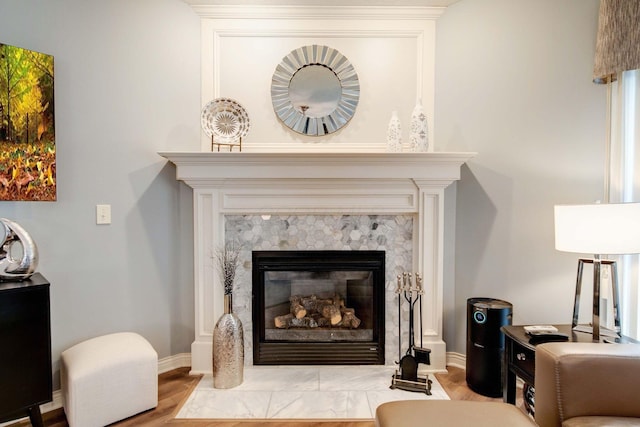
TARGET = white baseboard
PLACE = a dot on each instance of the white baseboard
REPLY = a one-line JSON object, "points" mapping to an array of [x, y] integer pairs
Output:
{"points": [[458, 360], [176, 361]]}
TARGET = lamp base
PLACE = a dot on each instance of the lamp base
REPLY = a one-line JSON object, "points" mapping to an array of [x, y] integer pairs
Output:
{"points": [[595, 328]]}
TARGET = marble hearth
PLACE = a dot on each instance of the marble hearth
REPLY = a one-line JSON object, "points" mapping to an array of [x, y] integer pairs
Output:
{"points": [[319, 189]]}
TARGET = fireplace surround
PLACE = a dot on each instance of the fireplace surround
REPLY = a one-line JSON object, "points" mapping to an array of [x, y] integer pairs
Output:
{"points": [[392, 234], [227, 184]]}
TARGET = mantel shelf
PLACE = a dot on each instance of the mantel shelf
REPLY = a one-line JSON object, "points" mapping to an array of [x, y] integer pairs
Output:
{"points": [[198, 166]]}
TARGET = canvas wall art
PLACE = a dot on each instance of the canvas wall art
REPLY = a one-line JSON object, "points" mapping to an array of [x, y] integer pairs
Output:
{"points": [[27, 128]]}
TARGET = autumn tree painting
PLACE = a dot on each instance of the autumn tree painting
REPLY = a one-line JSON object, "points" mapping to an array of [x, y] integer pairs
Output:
{"points": [[27, 131]]}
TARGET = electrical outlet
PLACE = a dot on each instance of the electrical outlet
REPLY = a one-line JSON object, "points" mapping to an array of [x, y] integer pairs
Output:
{"points": [[103, 214]]}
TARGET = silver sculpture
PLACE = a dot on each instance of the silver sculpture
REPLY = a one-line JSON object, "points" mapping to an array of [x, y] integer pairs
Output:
{"points": [[11, 268]]}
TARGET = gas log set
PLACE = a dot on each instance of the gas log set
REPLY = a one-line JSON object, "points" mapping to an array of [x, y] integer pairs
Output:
{"points": [[314, 312]]}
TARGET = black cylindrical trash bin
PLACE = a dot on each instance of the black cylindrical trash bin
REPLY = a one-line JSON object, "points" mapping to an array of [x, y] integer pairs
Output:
{"points": [[485, 344]]}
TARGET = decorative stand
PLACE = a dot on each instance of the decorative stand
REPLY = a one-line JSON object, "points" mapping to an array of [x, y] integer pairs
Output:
{"points": [[407, 378], [225, 144]]}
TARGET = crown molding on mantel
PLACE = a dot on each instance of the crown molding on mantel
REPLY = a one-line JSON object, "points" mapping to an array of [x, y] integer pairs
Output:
{"points": [[316, 12], [198, 166]]}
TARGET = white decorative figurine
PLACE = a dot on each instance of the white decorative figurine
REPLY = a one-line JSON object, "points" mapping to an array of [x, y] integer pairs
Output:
{"points": [[394, 134], [419, 131]]}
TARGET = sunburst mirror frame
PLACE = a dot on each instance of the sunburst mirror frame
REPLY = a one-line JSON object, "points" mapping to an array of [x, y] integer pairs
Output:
{"points": [[294, 117]]}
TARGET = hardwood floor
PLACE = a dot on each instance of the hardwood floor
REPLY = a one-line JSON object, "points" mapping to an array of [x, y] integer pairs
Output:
{"points": [[175, 386]]}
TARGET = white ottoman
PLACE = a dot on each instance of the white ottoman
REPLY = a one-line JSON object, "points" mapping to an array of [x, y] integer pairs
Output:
{"points": [[108, 378]]}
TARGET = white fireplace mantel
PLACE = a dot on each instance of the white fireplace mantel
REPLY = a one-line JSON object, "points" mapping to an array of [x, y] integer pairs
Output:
{"points": [[317, 183], [199, 167]]}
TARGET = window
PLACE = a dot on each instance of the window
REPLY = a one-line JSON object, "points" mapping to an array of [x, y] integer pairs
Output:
{"points": [[624, 178]]}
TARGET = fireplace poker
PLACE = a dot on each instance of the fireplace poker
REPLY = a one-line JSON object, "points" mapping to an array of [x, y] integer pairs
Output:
{"points": [[420, 293], [399, 292], [412, 305], [422, 355]]}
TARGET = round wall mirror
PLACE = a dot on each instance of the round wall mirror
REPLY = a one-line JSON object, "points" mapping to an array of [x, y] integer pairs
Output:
{"points": [[315, 90]]}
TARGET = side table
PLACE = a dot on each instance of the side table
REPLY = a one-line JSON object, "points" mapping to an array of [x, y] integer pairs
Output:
{"points": [[520, 355]]}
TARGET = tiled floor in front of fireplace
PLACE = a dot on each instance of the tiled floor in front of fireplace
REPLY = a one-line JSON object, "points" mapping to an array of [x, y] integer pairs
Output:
{"points": [[309, 392]]}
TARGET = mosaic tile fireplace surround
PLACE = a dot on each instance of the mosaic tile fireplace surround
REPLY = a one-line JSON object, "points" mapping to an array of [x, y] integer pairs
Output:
{"points": [[392, 234], [322, 201]]}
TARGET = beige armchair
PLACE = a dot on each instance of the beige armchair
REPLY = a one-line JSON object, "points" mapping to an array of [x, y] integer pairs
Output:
{"points": [[576, 385], [587, 384]]}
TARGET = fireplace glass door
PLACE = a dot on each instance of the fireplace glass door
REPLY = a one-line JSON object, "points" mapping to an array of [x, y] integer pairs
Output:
{"points": [[318, 307]]}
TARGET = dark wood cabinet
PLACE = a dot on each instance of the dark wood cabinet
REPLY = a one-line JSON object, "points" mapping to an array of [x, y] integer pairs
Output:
{"points": [[520, 355], [25, 349]]}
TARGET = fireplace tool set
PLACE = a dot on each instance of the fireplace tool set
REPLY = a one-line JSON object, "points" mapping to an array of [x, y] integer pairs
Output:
{"points": [[406, 377]]}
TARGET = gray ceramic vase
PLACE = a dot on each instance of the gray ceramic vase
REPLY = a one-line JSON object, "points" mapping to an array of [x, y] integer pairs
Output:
{"points": [[228, 349]]}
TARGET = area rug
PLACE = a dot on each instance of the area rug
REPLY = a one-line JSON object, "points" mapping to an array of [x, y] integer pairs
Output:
{"points": [[301, 392]]}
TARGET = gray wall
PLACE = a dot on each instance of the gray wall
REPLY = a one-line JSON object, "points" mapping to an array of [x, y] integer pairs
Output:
{"points": [[513, 83], [127, 85]]}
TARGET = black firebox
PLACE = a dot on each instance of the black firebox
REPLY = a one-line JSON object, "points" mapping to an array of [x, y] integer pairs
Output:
{"points": [[318, 307]]}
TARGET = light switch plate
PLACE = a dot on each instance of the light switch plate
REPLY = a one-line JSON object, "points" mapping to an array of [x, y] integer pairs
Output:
{"points": [[103, 214]]}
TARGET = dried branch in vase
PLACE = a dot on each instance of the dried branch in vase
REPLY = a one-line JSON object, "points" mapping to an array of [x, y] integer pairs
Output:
{"points": [[227, 258]]}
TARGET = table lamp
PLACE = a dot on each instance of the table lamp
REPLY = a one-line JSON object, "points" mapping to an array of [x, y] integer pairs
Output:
{"points": [[598, 229]]}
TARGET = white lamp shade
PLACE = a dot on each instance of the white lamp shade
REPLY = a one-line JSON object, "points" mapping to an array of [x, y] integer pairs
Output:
{"points": [[612, 228]]}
